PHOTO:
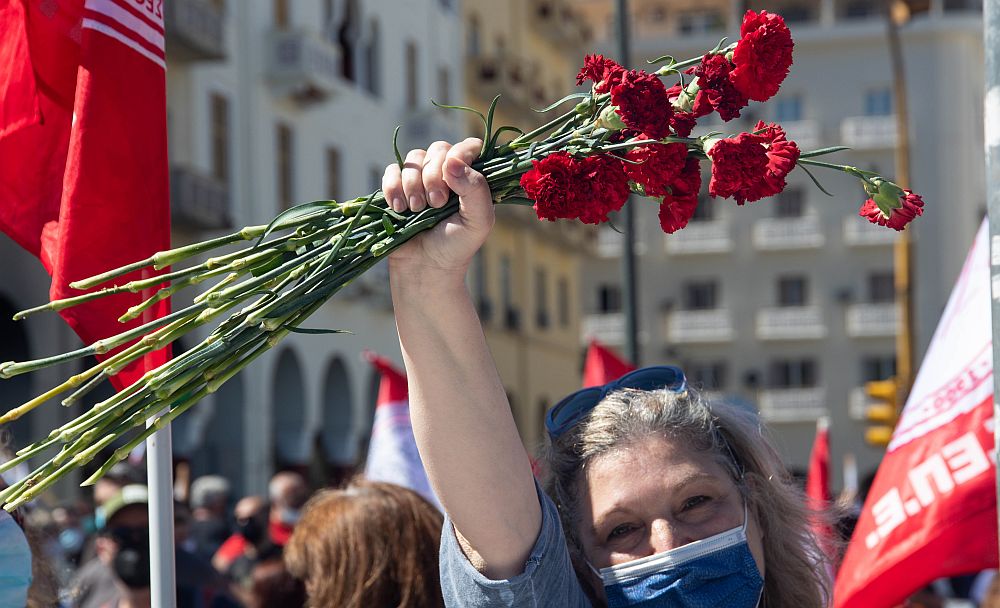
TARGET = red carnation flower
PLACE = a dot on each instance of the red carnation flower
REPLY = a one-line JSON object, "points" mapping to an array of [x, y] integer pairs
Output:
{"points": [[656, 166], [913, 206], [762, 56], [752, 166], [643, 104], [550, 184], [781, 155], [604, 73], [716, 90], [679, 206], [682, 123], [601, 188]]}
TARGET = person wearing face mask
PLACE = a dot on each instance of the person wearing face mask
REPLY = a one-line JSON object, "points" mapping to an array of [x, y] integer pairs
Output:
{"points": [[288, 493], [250, 539], [655, 498]]}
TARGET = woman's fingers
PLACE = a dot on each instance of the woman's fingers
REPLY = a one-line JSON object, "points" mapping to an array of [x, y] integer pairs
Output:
{"points": [[392, 187], [413, 183], [434, 185], [470, 185]]}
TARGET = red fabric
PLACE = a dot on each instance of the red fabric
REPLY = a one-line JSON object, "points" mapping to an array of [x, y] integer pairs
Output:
{"points": [[83, 183], [279, 532], [818, 484], [392, 387], [233, 547], [603, 365], [932, 509]]}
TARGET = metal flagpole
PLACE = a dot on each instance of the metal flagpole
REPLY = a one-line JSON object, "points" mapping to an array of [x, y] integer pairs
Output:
{"points": [[991, 130], [629, 295]]}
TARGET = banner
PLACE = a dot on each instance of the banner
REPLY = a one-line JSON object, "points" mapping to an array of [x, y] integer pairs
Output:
{"points": [[603, 365], [932, 511]]}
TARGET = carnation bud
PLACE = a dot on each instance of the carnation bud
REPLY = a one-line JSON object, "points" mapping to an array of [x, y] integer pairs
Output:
{"points": [[610, 119], [685, 101], [708, 142], [886, 195]]}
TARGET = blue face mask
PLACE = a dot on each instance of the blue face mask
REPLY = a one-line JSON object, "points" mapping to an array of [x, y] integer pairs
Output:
{"points": [[715, 571]]}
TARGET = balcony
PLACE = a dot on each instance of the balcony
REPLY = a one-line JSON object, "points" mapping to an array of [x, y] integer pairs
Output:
{"points": [[791, 323], [792, 404], [608, 328], [778, 233], [700, 237], [869, 132], [556, 21], [805, 133], [419, 129], [194, 30], [872, 320], [700, 326], [303, 66], [198, 200], [859, 232]]}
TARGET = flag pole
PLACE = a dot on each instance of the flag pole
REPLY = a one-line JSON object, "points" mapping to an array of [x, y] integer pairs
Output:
{"points": [[991, 124]]}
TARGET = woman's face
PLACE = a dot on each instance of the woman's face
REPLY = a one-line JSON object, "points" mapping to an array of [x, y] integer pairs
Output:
{"points": [[655, 495]]}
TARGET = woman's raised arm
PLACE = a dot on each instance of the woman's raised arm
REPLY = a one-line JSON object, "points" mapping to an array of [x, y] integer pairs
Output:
{"points": [[461, 418]]}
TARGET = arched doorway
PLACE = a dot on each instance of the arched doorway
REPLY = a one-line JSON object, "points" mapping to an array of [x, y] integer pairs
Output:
{"points": [[288, 412], [220, 442], [338, 417]]}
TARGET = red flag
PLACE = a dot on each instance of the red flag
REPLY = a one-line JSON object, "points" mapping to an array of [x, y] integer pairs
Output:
{"points": [[392, 453], [932, 509], [818, 489], [603, 365], [83, 182]]}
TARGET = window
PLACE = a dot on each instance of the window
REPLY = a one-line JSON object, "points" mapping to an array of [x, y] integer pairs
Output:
{"points": [[699, 22], [512, 316], [794, 373], [860, 8], [609, 298], [347, 34], [788, 108], [796, 13], [373, 68], [541, 298], [793, 291], [472, 37], [220, 137], [281, 14], [707, 376], [562, 297], [878, 367], [285, 165], [878, 102], [411, 75], [444, 85], [881, 287], [701, 295], [332, 173], [790, 203]]}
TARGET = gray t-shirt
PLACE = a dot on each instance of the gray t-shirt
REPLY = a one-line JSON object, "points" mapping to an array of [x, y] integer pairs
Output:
{"points": [[548, 580]]}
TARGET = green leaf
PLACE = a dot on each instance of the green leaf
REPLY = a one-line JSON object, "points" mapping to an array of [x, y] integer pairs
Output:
{"points": [[517, 200], [500, 131], [390, 228], [483, 153], [311, 331], [822, 151], [395, 146], [815, 181], [555, 105], [668, 59], [462, 108], [267, 266], [294, 213]]}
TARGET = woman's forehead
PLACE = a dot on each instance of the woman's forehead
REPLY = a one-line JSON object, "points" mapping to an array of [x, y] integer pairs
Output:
{"points": [[666, 458]]}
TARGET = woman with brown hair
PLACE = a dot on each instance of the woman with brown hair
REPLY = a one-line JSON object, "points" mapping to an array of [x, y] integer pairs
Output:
{"points": [[369, 544]]}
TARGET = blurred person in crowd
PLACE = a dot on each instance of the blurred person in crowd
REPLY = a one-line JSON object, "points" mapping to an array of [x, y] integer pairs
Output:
{"points": [[110, 485], [199, 585], [287, 492], [118, 575], [369, 544], [70, 531], [209, 501], [251, 540], [272, 585]]}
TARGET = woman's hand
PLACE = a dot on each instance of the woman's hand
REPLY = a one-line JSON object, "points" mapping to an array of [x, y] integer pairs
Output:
{"points": [[426, 178]]}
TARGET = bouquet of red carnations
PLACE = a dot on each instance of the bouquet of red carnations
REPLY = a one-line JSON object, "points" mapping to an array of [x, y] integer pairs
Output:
{"points": [[628, 133]]}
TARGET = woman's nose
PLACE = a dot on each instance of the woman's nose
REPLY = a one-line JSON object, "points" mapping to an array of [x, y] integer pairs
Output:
{"points": [[665, 536]]}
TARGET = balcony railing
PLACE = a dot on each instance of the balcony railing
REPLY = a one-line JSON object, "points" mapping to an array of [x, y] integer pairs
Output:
{"points": [[198, 200], [700, 237], [791, 323], [805, 133], [776, 233], [420, 128], [859, 232], [869, 132], [700, 326], [557, 21], [608, 328], [303, 66], [792, 404], [872, 320], [194, 30]]}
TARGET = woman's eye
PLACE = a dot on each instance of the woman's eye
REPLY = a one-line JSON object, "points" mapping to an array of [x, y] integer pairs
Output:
{"points": [[695, 501], [620, 531]]}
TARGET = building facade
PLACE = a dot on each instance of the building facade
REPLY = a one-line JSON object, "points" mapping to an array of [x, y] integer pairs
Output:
{"points": [[788, 303]]}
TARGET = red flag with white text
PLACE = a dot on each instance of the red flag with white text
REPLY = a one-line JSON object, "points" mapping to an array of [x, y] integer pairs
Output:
{"points": [[932, 509], [603, 365], [84, 176], [392, 452]]}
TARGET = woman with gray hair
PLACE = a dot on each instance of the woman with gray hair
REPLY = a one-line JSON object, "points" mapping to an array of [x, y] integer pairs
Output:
{"points": [[657, 498]]}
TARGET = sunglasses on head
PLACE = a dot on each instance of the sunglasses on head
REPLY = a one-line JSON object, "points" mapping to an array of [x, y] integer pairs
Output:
{"points": [[565, 414]]}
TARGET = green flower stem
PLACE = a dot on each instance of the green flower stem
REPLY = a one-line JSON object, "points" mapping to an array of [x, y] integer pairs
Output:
{"points": [[818, 163]]}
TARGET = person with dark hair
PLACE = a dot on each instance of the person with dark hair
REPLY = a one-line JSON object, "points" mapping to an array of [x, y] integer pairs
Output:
{"points": [[209, 501], [272, 586], [656, 497], [369, 544]]}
